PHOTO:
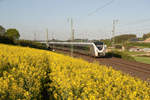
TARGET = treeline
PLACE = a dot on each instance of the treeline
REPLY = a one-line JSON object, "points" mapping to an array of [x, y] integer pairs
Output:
{"points": [[6, 40], [125, 38], [118, 39], [11, 36], [145, 36], [131, 44], [8, 36], [130, 37], [11, 33], [25, 43], [118, 54], [32, 44]]}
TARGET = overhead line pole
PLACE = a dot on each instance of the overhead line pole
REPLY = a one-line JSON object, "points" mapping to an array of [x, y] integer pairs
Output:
{"points": [[113, 31], [34, 36], [53, 40], [72, 30], [72, 36], [47, 36]]}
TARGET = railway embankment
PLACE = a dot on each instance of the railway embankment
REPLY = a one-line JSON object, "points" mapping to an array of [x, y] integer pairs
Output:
{"points": [[133, 68], [27, 73]]}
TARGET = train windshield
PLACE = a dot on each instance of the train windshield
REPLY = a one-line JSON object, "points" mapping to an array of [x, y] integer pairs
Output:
{"points": [[99, 45]]}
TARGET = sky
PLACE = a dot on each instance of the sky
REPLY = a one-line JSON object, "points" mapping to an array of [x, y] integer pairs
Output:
{"points": [[92, 19]]}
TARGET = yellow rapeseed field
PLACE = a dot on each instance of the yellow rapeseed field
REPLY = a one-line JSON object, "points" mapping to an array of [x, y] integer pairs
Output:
{"points": [[27, 74]]}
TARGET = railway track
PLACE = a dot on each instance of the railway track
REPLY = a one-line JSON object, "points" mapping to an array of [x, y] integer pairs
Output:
{"points": [[135, 69], [132, 68], [145, 69]]}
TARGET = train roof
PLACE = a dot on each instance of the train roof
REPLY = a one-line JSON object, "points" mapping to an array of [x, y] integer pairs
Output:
{"points": [[74, 43]]}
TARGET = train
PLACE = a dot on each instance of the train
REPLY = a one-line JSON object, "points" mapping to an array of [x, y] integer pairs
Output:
{"points": [[95, 49]]}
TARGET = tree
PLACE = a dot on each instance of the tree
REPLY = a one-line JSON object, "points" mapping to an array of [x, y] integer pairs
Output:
{"points": [[108, 42], [123, 38], [13, 33], [2, 30], [145, 36]]}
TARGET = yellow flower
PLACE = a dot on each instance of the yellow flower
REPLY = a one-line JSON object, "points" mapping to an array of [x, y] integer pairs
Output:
{"points": [[26, 73]]}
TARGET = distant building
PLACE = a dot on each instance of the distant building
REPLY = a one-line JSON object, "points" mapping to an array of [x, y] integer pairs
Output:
{"points": [[146, 49], [135, 49]]}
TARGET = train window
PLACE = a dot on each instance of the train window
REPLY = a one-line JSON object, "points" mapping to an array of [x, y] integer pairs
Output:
{"points": [[86, 48], [100, 47], [98, 43]]}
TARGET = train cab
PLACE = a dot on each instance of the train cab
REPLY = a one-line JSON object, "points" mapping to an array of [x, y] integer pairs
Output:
{"points": [[101, 47]]}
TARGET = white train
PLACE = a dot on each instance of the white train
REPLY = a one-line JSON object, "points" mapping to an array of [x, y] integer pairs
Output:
{"points": [[96, 49]]}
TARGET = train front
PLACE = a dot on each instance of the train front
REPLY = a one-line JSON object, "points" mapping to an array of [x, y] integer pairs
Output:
{"points": [[100, 49]]}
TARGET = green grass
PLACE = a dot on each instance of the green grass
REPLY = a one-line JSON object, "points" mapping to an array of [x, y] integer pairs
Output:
{"points": [[143, 59], [134, 53], [120, 54], [145, 45], [138, 58]]}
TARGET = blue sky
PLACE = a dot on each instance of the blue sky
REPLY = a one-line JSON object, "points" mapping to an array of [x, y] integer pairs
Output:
{"points": [[34, 16]]}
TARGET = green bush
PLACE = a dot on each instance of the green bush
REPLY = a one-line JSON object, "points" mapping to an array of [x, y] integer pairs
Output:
{"points": [[32, 44], [119, 54], [123, 38], [118, 46], [147, 45], [107, 42], [6, 40], [25, 43]]}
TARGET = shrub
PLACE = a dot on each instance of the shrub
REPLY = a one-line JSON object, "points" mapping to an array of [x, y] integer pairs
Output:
{"points": [[6, 40], [118, 46], [25, 43], [119, 54], [131, 44], [32, 44], [123, 38]]}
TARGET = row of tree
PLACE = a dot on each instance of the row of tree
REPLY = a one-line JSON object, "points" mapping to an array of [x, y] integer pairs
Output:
{"points": [[124, 38], [11, 33], [145, 36]]}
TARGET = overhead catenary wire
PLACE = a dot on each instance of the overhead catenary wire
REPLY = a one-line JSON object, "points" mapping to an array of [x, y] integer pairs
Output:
{"points": [[136, 30], [130, 23], [101, 7], [137, 22], [98, 9], [34, 36], [135, 26], [89, 14]]}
